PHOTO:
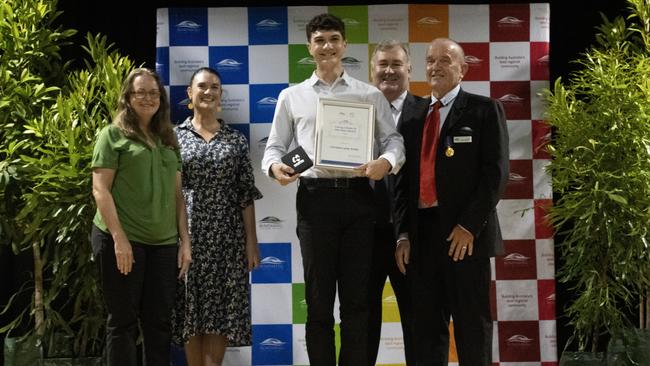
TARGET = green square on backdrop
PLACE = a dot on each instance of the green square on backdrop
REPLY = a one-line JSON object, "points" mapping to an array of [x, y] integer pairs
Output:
{"points": [[301, 64], [355, 18], [299, 303]]}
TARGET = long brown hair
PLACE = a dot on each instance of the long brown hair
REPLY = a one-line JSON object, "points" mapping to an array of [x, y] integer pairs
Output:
{"points": [[127, 121]]}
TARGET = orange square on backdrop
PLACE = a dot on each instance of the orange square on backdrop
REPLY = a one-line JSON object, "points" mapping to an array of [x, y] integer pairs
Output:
{"points": [[420, 88], [427, 22]]}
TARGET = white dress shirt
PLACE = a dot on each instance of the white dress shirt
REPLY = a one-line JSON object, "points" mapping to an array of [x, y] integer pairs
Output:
{"points": [[295, 121]]}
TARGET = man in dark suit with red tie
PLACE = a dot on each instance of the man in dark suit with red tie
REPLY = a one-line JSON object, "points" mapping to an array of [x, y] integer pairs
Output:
{"points": [[390, 73], [445, 211]]}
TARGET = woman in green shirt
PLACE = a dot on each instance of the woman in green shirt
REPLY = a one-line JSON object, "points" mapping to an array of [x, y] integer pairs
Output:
{"points": [[140, 218]]}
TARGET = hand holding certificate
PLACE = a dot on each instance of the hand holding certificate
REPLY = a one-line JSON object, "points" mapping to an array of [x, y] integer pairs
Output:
{"points": [[344, 133]]}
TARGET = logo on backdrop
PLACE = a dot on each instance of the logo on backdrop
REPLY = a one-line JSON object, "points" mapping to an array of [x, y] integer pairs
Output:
{"points": [[543, 60], [229, 64], [351, 22], [519, 340], [308, 61], [272, 343], [268, 101], [511, 98], [510, 21], [429, 21], [270, 222], [188, 26], [516, 178], [268, 25], [470, 59], [271, 261], [516, 259]]}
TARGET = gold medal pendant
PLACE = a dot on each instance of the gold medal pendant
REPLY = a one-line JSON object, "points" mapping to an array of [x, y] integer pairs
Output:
{"points": [[449, 152]]}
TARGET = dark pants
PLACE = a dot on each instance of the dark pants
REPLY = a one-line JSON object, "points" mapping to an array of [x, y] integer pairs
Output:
{"points": [[146, 295], [335, 228], [384, 265], [444, 288]]}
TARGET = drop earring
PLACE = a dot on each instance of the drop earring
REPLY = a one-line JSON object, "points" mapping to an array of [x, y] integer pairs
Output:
{"points": [[190, 105]]}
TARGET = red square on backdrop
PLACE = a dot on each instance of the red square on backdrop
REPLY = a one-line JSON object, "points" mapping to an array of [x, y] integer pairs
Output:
{"points": [[543, 229], [539, 61], [519, 261], [549, 364], [477, 57], [519, 341], [515, 97], [520, 180], [546, 298], [541, 132], [509, 22]]}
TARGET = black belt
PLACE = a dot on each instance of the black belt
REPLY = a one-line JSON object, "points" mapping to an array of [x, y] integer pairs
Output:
{"points": [[335, 182]]}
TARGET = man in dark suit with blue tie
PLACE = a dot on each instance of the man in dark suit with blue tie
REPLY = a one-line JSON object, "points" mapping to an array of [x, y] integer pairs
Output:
{"points": [[390, 73], [445, 211]]}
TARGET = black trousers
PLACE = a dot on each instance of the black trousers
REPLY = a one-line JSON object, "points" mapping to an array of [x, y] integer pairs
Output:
{"points": [[143, 297], [384, 265], [335, 228], [444, 288]]}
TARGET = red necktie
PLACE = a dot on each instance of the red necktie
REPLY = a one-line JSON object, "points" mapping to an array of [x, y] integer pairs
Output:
{"points": [[430, 137]]}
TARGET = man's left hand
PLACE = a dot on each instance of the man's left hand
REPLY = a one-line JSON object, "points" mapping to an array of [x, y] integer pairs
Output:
{"points": [[374, 169], [462, 243]]}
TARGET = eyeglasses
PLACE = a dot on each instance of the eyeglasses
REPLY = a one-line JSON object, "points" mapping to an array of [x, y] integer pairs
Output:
{"points": [[141, 94]]}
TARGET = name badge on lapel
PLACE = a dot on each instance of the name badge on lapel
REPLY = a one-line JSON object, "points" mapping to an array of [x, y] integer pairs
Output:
{"points": [[462, 139]]}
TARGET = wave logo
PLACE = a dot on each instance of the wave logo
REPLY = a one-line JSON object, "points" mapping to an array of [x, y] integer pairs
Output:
{"points": [[473, 60], [543, 141], [307, 61], [428, 21], [271, 261], [229, 64], [268, 25], [511, 99], [519, 340], [267, 101], [510, 20], [544, 60], [188, 26], [550, 299], [270, 222], [351, 22], [272, 344], [516, 178], [184, 102], [350, 61], [516, 258]]}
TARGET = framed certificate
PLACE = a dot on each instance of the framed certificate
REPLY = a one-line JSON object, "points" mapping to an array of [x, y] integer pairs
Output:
{"points": [[344, 133]]}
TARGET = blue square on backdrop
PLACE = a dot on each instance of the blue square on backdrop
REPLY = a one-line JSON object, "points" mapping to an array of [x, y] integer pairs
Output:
{"points": [[268, 25], [272, 344], [244, 128], [162, 64], [231, 62], [275, 259], [263, 98], [178, 101], [188, 26]]}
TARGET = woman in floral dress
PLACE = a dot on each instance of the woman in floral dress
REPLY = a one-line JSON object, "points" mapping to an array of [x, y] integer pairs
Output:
{"points": [[213, 306]]}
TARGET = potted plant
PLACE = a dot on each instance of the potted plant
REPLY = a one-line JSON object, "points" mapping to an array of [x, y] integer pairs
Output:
{"points": [[47, 133], [600, 170]]}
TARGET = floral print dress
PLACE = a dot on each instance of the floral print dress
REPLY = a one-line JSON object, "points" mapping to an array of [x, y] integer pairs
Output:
{"points": [[217, 183]]}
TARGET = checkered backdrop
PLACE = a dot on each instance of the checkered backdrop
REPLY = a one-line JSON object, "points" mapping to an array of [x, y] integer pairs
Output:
{"points": [[261, 50]]}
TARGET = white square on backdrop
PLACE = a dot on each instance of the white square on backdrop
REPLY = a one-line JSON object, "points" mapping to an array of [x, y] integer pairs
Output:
{"points": [[271, 303], [540, 22], [517, 219], [548, 340], [227, 26], [418, 61], [299, 345], [388, 22], [541, 180], [521, 144], [162, 27], [355, 61], [238, 356], [268, 64], [517, 300], [477, 87], [469, 23], [298, 17], [544, 249], [183, 61], [509, 61], [391, 344]]}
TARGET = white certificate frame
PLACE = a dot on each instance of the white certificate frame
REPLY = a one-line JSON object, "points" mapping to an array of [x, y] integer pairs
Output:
{"points": [[344, 133]]}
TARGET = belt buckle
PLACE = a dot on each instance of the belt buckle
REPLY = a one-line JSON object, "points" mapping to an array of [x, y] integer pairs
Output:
{"points": [[341, 183]]}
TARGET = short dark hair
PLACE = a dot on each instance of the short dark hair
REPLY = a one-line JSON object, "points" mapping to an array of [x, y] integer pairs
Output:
{"points": [[325, 22], [209, 70]]}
